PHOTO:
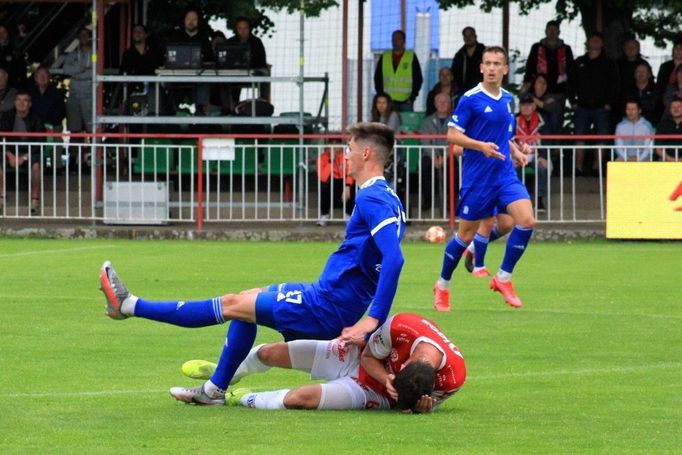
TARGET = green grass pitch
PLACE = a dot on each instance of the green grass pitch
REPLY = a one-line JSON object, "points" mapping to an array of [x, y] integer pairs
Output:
{"points": [[590, 364]]}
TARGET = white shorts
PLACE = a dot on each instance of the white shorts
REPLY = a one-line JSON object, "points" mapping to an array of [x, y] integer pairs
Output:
{"points": [[347, 393], [339, 364], [334, 360]]}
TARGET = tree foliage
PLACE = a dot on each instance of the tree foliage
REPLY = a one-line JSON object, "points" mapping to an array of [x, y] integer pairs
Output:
{"points": [[658, 19]]}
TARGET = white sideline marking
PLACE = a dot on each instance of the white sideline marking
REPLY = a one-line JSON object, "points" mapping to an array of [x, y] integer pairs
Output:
{"points": [[618, 370], [64, 250], [527, 374], [582, 313]]}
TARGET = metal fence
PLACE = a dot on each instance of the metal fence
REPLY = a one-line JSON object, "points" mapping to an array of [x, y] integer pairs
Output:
{"points": [[140, 179]]}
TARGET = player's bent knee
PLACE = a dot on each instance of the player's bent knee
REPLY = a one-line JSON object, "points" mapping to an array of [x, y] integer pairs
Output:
{"points": [[272, 354], [306, 397]]}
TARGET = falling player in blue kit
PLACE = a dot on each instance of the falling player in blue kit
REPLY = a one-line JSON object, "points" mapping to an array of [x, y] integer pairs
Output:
{"points": [[483, 124], [363, 273]]}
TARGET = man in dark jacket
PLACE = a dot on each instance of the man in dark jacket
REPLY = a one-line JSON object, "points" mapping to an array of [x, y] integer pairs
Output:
{"points": [[20, 119], [258, 60], [466, 64], [593, 89], [47, 101]]}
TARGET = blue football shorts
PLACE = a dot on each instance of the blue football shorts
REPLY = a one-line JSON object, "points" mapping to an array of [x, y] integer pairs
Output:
{"points": [[477, 203], [297, 312]]}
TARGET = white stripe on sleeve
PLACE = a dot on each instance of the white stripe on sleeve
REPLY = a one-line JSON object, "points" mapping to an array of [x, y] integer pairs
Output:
{"points": [[384, 223]]}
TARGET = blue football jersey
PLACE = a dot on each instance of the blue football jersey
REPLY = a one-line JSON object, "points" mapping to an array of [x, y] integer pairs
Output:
{"points": [[486, 118], [349, 279]]}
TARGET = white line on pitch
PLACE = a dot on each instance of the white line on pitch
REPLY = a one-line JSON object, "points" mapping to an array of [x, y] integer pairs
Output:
{"points": [[65, 250], [527, 374], [530, 374]]}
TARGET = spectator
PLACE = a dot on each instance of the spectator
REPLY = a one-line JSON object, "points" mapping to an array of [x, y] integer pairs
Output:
{"points": [[645, 90], [78, 65], [383, 111], [445, 85], [243, 35], [11, 60], [529, 126], [21, 119], [628, 63], [47, 101], [398, 74], [7, 93], [671, 125], [466, 64], [673, 90], [432, 158], [336, 187], [633, 149], [553, 58], [142, 58], [193, 32], [258, 62], [666, 72], [593, 91], [547, 104]]}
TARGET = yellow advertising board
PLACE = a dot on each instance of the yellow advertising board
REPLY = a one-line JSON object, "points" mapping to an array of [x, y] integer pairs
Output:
{"points": [[644, 200]]}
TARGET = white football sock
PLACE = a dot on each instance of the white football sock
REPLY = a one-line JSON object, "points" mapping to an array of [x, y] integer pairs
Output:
{"points": [[250, 365], [503, 276], [213, 390], [471, 248], [443, 284], [264, 400], [128, 305], [476, 269]]}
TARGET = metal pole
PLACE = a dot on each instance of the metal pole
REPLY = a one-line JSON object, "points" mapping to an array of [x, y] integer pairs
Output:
{"points": [[344, 68], [300, 207], [361, 25]]}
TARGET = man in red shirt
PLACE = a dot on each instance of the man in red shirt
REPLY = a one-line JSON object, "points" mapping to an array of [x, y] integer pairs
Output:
{"points": [[408, 363]]}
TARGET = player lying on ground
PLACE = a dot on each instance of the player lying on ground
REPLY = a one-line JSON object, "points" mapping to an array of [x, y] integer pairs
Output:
{"points": [[363, 273], [483, 124], [407, 363]]}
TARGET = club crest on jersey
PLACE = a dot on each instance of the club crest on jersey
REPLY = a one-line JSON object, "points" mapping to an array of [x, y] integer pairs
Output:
{"points": [[394, 355]]}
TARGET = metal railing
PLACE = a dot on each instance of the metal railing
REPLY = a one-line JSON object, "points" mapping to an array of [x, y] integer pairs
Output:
{"points": [[143, 179]]}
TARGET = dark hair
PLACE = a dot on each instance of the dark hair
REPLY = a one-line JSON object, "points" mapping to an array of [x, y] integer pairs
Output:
{"points": [[553, 22], [412, 382], [399, 32], [380, 135], [496, 50], [631, 100], [242, 19], [376, 115], [596, 35], [468, 27], [23, 92], [526, 98], [676, 99]]}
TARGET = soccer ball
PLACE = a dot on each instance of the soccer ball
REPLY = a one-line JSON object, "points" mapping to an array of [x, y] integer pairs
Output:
{"points": [[435, 234]]}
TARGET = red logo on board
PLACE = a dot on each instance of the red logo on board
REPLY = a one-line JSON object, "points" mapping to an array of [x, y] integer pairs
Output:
{"points": [[677, 193]]}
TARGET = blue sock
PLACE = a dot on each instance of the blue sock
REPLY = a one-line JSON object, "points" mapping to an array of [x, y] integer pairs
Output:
{"points": [[240, 338], [480, 247], [494, 234], [516, 245], [453, 253], [200, 313]]}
